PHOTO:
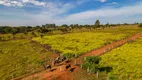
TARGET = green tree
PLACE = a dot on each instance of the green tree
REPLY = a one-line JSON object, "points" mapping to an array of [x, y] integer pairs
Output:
{"points": [[97, 24], [107, 25]]}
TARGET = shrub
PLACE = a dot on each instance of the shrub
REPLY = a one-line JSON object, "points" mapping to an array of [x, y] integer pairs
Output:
{"points": [[20, 36], [68, 55], [92, 59], [111, 76], [5, 37], [29, 35], [36, 34], [92, 68], [91, 64]]}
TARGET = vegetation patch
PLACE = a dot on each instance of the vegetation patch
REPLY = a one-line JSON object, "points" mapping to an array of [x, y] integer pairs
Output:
{"points": [[91, 64], [78, 43], [18, 57], [126, 61]]}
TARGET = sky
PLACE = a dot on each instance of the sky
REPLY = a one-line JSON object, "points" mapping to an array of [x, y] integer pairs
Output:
{"points": [[39, 12]]}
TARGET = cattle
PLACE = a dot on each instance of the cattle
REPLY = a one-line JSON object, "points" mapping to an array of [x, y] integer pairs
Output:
{"points": [[67, 61], [48, 67], [57, 58], [53, 63], [68, 66], [62, 59]]}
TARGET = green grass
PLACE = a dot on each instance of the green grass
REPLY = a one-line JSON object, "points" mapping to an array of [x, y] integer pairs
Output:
{"points": [[18, 57], [78, 43], [125, 60]]}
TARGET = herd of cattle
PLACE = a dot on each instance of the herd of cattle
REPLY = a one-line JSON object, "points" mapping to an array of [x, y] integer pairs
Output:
{"points": [[59, 60]]}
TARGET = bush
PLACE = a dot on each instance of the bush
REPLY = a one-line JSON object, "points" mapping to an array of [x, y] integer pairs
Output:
{"points": [[92, 59], [29, 35], [91, 64], [36, 34], [112, 76], [20, 36], [92, 68], [5, 37], [85, 65], [68, 55]]}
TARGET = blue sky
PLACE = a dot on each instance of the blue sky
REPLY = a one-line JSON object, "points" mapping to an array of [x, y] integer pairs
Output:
{"points": [[38, 12]]}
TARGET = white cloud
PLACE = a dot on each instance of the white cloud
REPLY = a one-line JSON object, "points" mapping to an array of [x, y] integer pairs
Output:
{"points": [[10, 3], [16, 3], [114, 3], [102, 13], [102, 0], [35, 2], [1, 2], [78, 2], [22, 2], [112, 14]]}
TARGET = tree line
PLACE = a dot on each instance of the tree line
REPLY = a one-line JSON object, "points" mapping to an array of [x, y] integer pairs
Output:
{"points": [[9, 32]]}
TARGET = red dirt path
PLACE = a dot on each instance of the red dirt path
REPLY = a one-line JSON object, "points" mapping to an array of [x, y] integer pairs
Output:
{"points": [[66, 74]]}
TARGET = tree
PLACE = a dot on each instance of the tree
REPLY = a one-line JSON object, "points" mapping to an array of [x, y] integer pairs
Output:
{"points": [[64, 25], [97, 24], [107, 25]]}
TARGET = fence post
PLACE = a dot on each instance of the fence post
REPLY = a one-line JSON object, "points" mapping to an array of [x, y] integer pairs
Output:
{"points": [[88, 69], [109, 48], [75, 62], [12, 76], [107, 77], [60, 68], [97, 74], [105, 50]]}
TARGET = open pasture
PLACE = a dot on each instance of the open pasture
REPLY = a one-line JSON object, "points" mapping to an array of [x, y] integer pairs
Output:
{"points": [[78, 43], [125, 60], [18, 57]]}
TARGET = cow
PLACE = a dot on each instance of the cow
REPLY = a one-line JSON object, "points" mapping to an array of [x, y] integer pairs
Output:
{"points": [[57, 58], [48, 66], [62, 59], [67, 61], [54, 62], [68, 66]]}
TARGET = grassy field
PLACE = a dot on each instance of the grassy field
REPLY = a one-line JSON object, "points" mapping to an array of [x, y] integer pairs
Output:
{"points": [[78, 43], [18, 57], [125, 60]]}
